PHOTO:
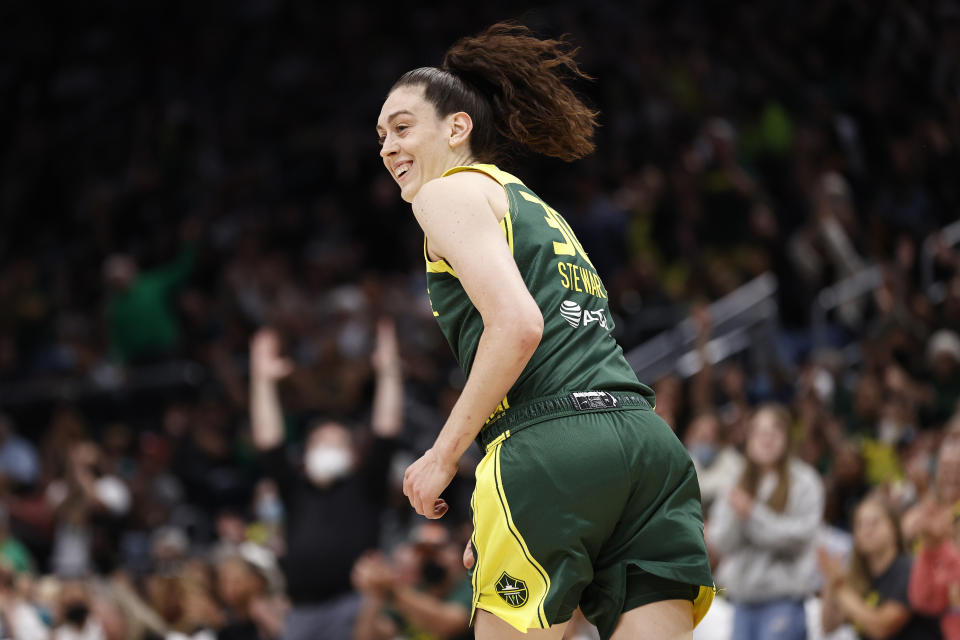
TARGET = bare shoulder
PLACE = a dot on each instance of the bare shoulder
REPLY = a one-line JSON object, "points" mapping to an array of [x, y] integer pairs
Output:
{"points": [[465, 190]]}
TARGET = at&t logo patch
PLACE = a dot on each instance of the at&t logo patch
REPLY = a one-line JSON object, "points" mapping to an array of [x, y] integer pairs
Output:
{"points": [[575, 315]]}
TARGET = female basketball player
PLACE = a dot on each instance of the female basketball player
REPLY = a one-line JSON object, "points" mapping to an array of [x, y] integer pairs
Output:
{"points": [[584, 496]]}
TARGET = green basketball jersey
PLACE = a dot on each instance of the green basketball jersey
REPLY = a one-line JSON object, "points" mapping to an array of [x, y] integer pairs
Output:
{"points": [[576, 352]]}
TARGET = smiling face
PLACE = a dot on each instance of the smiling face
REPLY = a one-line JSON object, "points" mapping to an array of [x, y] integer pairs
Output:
{"points": [[767, 442], [873, 531], [417, 146]]}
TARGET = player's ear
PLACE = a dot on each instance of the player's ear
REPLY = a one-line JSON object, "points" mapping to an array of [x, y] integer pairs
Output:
{"points": [[461, 124]]}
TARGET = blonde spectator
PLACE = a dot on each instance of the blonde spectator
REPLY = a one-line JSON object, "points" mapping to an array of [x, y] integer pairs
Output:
{"points": [[763, 530]]}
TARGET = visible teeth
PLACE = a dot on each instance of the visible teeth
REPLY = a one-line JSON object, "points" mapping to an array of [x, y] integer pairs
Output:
{"points": [[402, 170]]}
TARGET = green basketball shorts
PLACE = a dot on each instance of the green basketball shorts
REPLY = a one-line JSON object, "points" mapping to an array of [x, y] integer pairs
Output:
{"points": [[585, 500]]}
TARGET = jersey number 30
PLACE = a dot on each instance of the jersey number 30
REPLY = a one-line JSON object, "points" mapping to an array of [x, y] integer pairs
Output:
{"points": [[570, 245]]}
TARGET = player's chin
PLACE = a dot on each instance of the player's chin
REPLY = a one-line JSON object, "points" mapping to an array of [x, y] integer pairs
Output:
{"points": [[408, 194]]}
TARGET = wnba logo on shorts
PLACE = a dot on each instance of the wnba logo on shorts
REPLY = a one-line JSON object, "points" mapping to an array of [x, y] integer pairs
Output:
{"points": [[512, 590]]}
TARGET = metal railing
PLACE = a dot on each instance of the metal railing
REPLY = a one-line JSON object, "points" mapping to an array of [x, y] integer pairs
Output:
{"points": [[104, 381], [949, 235], [847, 291], [740, 321]]}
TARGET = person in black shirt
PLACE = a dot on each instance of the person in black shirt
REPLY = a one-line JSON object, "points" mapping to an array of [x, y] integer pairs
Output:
{"points": [[333, 505], [872, 595]]}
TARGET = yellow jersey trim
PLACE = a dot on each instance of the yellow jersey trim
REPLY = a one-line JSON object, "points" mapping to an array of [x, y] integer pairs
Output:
{"points": [[437, 266], [502, 177], [506, 224]]}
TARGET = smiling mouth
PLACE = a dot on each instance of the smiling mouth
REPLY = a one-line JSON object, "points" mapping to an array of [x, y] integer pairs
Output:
{"points": [[402, 171]]}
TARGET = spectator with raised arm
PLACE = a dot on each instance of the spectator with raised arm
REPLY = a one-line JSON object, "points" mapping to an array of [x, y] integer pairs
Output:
{"points": [[333, 506], [142, 323], [763, 531]]}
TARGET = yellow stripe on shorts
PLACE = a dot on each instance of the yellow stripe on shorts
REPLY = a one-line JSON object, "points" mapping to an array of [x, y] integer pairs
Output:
{"points": [[508, 581]]}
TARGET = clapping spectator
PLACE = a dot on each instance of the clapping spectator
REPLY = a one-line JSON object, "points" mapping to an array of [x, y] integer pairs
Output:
{"points": [[243, 587], [763, 530], [872, 593], [945, 491], [87, 503], [77, 622], [934, 587], [935, 579], [19, 619], [422, 591]]}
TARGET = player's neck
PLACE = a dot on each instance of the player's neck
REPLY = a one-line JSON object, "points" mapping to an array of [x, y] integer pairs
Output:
{"points": [[460, 159]]}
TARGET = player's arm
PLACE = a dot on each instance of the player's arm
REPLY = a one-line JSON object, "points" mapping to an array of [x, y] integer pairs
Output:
{"points": [[461, 226]]}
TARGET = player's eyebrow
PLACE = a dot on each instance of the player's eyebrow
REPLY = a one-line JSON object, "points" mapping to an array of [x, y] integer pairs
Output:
{"points": [[394, 115]]}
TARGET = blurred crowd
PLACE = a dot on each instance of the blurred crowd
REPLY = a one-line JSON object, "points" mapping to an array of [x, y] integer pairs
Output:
{"points": [[176, 176]]}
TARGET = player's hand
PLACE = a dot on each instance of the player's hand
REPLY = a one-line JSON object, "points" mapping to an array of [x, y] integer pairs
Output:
{"points": [[425, 480], [266, 362]]}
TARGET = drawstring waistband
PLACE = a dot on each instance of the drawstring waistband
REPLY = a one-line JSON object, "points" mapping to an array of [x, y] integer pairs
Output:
{"points": [[538, 410]]}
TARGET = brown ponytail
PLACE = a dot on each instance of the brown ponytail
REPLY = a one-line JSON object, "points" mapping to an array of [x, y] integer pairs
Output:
{"points": [[512, 86]]}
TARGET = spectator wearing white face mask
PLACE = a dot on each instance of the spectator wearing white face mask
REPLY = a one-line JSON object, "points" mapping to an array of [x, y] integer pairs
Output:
{"points": [[718, 464], [332, 509]]}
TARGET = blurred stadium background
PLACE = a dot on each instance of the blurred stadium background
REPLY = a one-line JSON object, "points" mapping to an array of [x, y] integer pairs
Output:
{"points": [[773, 207]]}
